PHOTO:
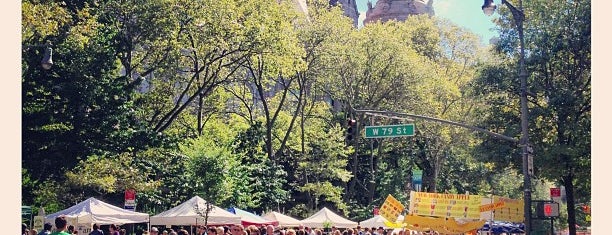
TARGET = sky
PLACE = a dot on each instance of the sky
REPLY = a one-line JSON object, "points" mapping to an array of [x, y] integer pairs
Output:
{"points": [[465, 13]]}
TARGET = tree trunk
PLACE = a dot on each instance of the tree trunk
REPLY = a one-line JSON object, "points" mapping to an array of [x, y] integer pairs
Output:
{"points": [[571, 209], [200, 114]]}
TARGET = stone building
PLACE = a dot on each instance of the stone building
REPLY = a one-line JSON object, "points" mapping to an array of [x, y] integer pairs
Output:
{"points": [[350, 9], [398, 10], [348, 6]]}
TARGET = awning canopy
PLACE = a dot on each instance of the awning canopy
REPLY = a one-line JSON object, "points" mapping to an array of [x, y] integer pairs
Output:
{"points": [[249, 218], [326, 216], [378, 221], [192, 212], [283, 220], [95, 211]]}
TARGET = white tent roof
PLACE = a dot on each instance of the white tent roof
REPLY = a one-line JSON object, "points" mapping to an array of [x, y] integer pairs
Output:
{"points": [[283, 220], [95, 211], [317, 220], [377, 221], [186, 214]]}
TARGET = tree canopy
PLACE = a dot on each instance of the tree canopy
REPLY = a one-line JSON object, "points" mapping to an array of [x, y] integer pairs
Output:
{"points": [[245, 102]]}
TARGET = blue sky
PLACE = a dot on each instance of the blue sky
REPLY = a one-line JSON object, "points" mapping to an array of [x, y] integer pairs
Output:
{"points": [[465, 13]]}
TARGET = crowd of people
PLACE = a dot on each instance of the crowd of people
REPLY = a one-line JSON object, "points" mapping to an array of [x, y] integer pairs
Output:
{"points": [[272, 230], [62, 228]]}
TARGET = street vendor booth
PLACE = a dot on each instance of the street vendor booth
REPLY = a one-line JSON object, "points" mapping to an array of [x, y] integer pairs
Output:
{"points": [[326, 217], [248, 218], [193, 212], [283, 220], [93, 211]]}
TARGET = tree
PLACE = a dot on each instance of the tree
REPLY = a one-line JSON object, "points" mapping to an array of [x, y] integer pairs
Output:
{"points": [[558, 44], [80, 107]]}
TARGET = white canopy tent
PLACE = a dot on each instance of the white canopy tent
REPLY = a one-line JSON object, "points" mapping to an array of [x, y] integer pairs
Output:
{"points": [[93, 211], [327, 216], [283, 220], [377, 221], [187, 214]]}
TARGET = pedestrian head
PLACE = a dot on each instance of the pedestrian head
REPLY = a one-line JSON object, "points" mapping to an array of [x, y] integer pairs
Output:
{"points": [[60, 223], [48, 226]]}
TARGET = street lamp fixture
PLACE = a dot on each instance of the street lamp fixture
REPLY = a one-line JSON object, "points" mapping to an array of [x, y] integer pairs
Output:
{"points": [[488, 7], [519, 17], [47, 60]]}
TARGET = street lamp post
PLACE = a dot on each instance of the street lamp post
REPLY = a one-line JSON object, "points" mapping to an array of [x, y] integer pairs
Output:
{"points": [[517, 13]]}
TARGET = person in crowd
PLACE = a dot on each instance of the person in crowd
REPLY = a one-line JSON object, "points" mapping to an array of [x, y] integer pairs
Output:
{"points": [[70, 229], [172, 232], [318, 232], [61, 226], [252, 230], [24, 229], [211, 230], [237, 229], [220, 231], [154, 231], [381, 231], [33, 232], [113, 229], [46, 229], [122, 231], [165, 232], [290, 232], [183, 232], [334, 229], [269, 230], [96, 230]]}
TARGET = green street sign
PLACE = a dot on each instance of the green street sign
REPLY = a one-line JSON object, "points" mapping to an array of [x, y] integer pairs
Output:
{"points": [[389, 131]]}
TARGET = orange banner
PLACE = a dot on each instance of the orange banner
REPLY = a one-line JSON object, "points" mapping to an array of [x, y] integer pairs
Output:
{"points": [[492, 206]]}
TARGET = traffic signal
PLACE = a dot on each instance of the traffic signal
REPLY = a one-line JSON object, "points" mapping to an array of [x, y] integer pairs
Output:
{"points": [[547, 209], [586, 209], [351, 129]]}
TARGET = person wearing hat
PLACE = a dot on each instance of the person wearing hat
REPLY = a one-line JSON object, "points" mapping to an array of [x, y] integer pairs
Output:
{"points": [[154, 231]]}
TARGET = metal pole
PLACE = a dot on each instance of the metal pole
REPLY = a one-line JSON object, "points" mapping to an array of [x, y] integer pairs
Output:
{"points": [[519, 18], [500, 136]]}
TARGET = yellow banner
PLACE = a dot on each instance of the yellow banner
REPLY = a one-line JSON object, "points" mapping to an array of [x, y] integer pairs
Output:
{"points": [[441, 225], [513, 210], [391, 208], [445, 205]]}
